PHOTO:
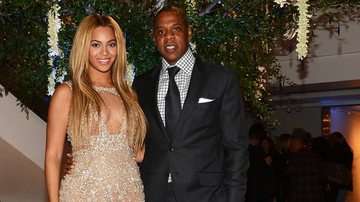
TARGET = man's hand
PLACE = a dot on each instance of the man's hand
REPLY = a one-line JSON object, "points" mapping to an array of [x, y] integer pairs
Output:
{"points": [[140, 155], [268, 160], [69, 164]]}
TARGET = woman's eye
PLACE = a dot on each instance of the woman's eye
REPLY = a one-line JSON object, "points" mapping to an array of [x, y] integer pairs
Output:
{"points": [[112, 45], [95, 45]]}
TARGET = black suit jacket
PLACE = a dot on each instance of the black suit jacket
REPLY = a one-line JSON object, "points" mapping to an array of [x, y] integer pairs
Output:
{"points": [[207, 156]]}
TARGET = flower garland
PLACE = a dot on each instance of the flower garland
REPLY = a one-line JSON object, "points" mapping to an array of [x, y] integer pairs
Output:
{"points": [[281, 2], [130, 74], [302, 32], [303, 26], [54, 25]]}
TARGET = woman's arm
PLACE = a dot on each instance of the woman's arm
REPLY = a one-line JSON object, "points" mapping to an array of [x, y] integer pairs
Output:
{"points": [[55, 136]]}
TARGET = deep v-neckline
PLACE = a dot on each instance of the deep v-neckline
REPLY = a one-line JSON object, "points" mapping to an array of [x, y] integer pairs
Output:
{"points": [[105, 127], [103, 114]]}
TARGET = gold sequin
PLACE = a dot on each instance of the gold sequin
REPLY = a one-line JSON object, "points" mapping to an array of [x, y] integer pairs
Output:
{"points": [[105, 167]]}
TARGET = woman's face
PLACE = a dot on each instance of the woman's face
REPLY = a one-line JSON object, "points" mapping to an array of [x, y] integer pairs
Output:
{"points": [[102, 50], [266, 145]]}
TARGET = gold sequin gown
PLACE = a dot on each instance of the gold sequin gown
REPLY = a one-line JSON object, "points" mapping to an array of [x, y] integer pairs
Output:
{"points": [[105, 167]]}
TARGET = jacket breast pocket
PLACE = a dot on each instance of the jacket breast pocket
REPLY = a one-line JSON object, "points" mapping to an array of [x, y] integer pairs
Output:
{"points": [[207, 106]]}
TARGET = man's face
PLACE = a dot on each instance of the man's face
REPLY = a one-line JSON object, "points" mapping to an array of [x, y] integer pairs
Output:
{"points": [[171, 36], [296, 145]]}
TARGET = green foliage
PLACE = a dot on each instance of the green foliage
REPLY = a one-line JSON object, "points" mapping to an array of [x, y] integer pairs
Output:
{"points": [[23, 51], [133, 19], [241, 34]]}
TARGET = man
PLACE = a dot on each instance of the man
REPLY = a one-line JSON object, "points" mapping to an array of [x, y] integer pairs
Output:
{"points": [[305, 170], [204, 155], [261, 182]]}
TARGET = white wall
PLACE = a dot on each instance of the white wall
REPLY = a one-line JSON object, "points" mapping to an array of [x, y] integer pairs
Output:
{"points": [[27, 136], [331, 58], [308, 119]]}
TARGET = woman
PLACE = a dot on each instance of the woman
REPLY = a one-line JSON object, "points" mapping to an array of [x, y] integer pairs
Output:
{"points": [[104, 122], [280, 160]]}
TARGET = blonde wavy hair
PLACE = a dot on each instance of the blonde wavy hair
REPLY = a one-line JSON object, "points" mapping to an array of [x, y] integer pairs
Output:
{"points": [[84, 95]]}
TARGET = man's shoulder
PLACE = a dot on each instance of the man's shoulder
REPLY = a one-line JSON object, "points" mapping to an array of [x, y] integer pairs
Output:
{"points": [[147, 74], [215, 69], [212, 66]]}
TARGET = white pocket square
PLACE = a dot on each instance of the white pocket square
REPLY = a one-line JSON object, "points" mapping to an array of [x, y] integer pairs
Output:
{"points": [[205, 100]]}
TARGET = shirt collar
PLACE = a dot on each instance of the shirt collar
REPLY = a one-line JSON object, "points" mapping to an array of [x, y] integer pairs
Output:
{"points": [[185, 63]]}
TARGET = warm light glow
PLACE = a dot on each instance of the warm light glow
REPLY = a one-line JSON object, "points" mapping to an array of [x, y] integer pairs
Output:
{"points": [[353, 139], [347, 121], [326, 121]]}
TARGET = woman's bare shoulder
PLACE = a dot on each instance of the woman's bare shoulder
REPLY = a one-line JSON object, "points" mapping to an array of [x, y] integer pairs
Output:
{"points": [[63, 92]]}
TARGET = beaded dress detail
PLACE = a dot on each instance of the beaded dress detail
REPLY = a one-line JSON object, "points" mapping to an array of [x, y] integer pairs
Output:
{"points": [[105, 167]]}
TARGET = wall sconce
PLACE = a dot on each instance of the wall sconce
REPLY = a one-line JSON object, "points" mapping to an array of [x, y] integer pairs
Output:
{"points": [[293, 105], [293, 108]]}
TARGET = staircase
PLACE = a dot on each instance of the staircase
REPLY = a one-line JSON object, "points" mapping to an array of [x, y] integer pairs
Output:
{"points": [[22, 152]]}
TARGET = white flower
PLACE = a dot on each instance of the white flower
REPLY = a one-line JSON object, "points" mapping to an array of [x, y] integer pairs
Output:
{"points": [[53, 29], [260, 83], [54, 25], [61, 78], [130, 74], [51, 84], [302, 32], [193, 46], [303, 26], [192, 4], [261, 69], [258, 95], [281, 2]]}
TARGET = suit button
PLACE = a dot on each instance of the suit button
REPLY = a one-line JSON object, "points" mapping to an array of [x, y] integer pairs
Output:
{"points": [[171, 148]]}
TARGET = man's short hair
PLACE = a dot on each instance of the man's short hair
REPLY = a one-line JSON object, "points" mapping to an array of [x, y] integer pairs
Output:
{"points": [[257, 131], [171, 8]]}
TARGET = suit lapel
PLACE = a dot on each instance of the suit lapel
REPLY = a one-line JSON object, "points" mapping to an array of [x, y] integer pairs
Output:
{"points": [[192, 97], [152, 98]]}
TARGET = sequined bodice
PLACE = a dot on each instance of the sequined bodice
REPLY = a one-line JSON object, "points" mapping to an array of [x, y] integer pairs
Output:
{"points": [[105, 168], [110, 121]]}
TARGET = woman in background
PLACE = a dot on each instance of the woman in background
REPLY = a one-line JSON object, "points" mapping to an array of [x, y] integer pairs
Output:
{"points": [[280, 160], [100, 113]]}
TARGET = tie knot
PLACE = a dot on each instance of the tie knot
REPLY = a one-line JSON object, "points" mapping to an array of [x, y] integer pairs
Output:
{"points": [[173, 71]]}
